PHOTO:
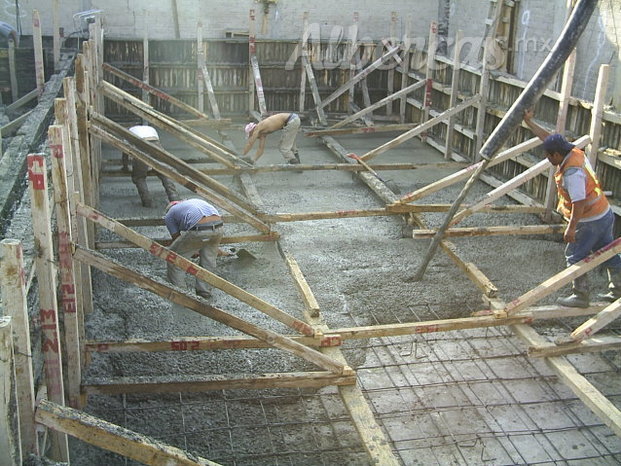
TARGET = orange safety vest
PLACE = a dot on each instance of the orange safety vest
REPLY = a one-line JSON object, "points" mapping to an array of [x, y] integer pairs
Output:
{"points": [[596, 200]]}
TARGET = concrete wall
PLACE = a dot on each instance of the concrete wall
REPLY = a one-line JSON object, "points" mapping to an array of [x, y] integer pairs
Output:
{"points": [[538, 24]]}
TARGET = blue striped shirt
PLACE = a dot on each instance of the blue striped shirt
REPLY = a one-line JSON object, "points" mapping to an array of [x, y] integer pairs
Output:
{"points": [[186, 214]]}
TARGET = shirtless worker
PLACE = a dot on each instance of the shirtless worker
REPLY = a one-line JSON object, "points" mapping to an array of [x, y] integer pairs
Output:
{"points": [[289, 123]]}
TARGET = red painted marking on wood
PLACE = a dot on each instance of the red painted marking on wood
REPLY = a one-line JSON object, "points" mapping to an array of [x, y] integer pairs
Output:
{"points": [[57, 151], [601, 251], [192, 270], [434, 28], [368, 130], [185, 345], [427, 329], [35, 171], [428, 89], [335, 340], [103, 347]]}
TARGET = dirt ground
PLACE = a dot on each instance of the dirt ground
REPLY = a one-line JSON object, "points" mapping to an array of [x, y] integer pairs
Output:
{"points": [[358, 270]]}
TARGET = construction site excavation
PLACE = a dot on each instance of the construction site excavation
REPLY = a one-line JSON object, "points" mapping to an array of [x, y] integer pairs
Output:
{"points": [[334, 233]]}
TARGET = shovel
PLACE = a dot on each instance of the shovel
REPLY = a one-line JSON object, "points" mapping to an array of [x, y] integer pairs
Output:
{"points": [[389, 184]]}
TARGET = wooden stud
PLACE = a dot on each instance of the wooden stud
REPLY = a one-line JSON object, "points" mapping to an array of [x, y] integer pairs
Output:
{"points": [[353, 58], [15, 303], [432, 46], [200, 64], [177, 296], [591, 345], [251, 52], [450, 125], [38, 52], [378, 104], [405, 67], [562, 278], [361, 75], [590, 396], [111, 437], [391, 71], [303, 51], [146, 96], [48, 308], [9, 445], [13, 74], [598, 322], [210, 93], [145, 86], [68, 293], [56, 33], [597, 113], [310, 303], [504, 230]]}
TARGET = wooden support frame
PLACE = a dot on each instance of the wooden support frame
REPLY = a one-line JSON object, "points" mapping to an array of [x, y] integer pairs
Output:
{"points": [[450, 125], [193, 269], [493, 231], [432, 46], [37, 41], [598, 322], [174, 294], [591, 345]]}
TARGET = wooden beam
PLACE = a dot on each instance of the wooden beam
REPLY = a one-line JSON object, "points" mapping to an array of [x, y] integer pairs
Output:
{"points": [[13, 77], [15, 303], [10, 443], [308, 298], [432, 45], [179, 297], [597, 113], [314, 90], [167, 241], [37, 41], [376, 105], [591, 345], [582, 388], [562, 278], [420, 129], [504, 230], [201, 344], [68, 300], [196, 383], [450, 125], [114, 438], [361, 75], [48, 307], [598, 322]]}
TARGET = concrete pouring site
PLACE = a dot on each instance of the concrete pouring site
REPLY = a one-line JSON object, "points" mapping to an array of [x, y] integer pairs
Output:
{"points": [[385, 294]]}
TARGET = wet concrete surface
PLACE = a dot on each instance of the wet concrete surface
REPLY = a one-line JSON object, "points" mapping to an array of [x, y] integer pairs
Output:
{"points": [[468, 397]]}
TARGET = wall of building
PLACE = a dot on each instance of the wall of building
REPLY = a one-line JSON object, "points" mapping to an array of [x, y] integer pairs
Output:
{"points": [[537, 25]]}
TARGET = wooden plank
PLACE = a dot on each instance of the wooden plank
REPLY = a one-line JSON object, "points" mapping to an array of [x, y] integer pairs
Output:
{"points": [[15, 303], [170, 125], [13, 77], [353, 57], [22, 100], [68, 300], [210, 93], [179, 297], [432, 46], [308, 298], [582, 388], [304, 50], [597, 113], [595, 324], [405, 66], [592, 345], [361, 75], [10, 444], [114, 438], [366, 99], [450, 125], [256, 73], [504, 230], [496, 193], [201, 344], [193, 269], [48, 308], [145, 86], [37, 41], [419, 129], [200, 63], [167, 241], [175, 12], [314, 91], [56, 33], [376, 105], [562, 278], [189, 384], [15, 124], [251, 52], [145, 57], [391, 71]]}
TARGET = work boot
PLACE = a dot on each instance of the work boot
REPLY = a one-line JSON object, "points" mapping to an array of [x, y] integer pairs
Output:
{"points": [[580, 294], [293, 161], [614, 285]]}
